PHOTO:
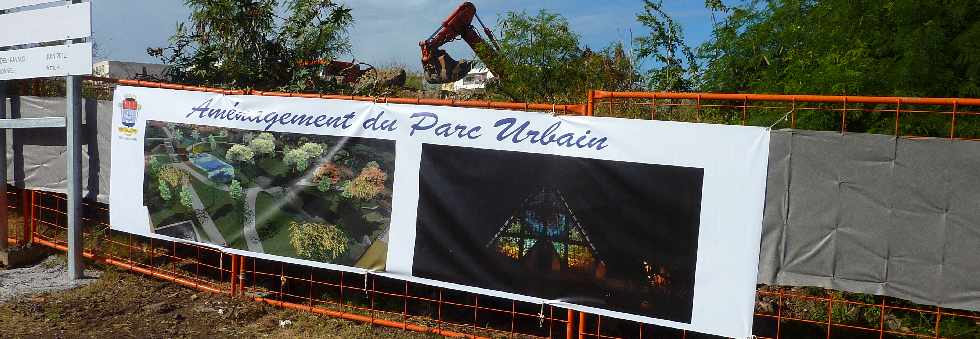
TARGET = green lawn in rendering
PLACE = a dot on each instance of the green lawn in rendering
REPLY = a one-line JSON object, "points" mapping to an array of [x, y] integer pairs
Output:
{"points": [[227, 217], [278, 242]]}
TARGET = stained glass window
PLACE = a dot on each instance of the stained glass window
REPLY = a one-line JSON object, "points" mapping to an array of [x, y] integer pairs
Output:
{"points": [[545, 218]]}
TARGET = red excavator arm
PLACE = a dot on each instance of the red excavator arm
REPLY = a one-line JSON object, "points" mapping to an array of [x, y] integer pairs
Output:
{"points": [[439, 66]]}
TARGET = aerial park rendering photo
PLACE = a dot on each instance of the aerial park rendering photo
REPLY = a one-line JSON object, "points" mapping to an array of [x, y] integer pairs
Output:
{"points": [[313, 197]]}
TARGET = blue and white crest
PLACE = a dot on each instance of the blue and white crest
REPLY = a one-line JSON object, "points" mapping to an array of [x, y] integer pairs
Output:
{"points": [[130, 112]]}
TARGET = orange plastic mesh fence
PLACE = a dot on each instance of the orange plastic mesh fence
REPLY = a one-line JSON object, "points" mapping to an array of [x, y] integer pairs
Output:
{"points": [[781, 312], [955, 118]]}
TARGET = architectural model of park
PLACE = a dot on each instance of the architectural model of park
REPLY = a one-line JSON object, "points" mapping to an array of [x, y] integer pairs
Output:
{"points": [[314, 197]]}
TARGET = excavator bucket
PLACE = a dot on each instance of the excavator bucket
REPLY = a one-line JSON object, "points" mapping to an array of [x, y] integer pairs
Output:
{"points": [[442, 68]]}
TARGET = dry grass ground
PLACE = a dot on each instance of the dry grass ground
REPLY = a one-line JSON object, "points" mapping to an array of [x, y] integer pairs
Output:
{"points": [[124, 305]]}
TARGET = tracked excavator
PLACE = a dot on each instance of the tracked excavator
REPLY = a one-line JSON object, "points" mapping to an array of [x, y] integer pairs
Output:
{"points": [[441, 68]]}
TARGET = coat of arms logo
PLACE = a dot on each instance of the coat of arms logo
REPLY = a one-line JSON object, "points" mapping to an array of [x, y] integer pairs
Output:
{"points": [[130, 113]]}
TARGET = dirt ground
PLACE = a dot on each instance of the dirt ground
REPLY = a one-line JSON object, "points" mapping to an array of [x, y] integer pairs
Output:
{"points": [[125, 305]]}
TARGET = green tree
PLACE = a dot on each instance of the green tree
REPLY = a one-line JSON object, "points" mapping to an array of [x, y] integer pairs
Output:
{"points": [[154, 165], [835, 47], [196, 135], [240, 153], [262, 146], [172, 175], [609, 69], [297, 159], [319, 242], [324, 185], [542, 60], [245, 43], [314, 150], [164, 189], [539, 56], [213, 141], [266, 136], [893, 47], [675, 67], [236, 192], [185, 197]]}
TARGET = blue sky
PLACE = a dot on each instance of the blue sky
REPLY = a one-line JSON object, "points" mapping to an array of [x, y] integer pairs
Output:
{"points": [[387, 32]]}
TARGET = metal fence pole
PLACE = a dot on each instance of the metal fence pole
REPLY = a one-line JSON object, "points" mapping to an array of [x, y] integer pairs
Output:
{"points": [[4, 225], [73, 127]]}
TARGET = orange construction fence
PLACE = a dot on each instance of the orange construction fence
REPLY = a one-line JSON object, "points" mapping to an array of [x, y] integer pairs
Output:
{"points": [[781, 312]]}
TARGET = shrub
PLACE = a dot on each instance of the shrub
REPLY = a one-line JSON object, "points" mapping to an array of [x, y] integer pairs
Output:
{"points": [[172, 175], [368, 184], [240, 153], [262, 145], [319, 242], [297, 159]]}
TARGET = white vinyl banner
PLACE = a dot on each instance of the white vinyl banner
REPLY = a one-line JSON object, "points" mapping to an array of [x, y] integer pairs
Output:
{"points": [[651, 221]]}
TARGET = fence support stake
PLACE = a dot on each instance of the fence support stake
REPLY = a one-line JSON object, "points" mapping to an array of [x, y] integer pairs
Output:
{"points": [[73, 127], [569, 324], [234, 274], [28, 210]]}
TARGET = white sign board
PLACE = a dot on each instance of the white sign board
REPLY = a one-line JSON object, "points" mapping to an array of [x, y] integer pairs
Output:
{"points": [[9, 4], [651, 221], [45, 25], [46, 61]]}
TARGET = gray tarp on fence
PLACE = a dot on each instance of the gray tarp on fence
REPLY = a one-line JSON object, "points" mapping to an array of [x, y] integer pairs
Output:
{"points": [[854, 212], [36, 157], [874, 214]]}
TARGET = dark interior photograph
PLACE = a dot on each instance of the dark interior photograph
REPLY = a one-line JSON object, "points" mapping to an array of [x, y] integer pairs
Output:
{"points": [[616, 235]]}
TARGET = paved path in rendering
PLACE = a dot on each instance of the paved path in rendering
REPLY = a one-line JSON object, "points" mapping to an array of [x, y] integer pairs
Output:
{"points": [[204, 219], [170, 145], [200, 213], [250, 233]]}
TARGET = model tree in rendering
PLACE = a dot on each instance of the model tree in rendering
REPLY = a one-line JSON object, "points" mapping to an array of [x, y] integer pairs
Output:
{"points": [[164, 190], [178, 135], [240, 153], [236, 192], [263, 144], [172, 175], [296, 159], [299, 159], [314, 150], [320, 242], [368, 184], [185, 197]]}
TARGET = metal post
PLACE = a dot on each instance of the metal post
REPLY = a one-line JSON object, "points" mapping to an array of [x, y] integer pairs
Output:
{"points": [[73, 127], [590, 105], [4, 226]]}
